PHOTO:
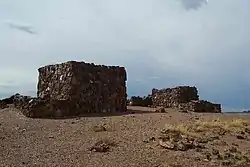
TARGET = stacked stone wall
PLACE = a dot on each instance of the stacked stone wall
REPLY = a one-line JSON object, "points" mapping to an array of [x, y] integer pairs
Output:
{"points": [[202, 106], [172, 97], [185, 98], [85, 87]]}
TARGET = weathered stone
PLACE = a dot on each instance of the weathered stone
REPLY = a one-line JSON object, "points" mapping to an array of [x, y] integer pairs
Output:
{"points": [[3, 104], [42, 108], [166, 144], [215, 152], [83, 87], [160, 110], [102, 146], [201, 106], [99, 128], [9, 100], [172, 97], [185, 98], [240, 136]]}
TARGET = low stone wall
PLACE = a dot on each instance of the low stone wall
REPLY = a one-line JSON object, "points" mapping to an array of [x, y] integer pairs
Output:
{"points": [[201, 106], [172, 97], [185, 98], [84, 87]]}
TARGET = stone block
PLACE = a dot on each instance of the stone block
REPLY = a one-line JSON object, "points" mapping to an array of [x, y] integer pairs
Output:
{"points": [[84, 87]]}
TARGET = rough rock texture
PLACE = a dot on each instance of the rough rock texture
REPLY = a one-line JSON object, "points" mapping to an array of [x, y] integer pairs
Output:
{"points": [[201, 106], [10, 100], [172, 97], [82, 88], [42, 108], [3, 104], [185, 98], [37, 107]]}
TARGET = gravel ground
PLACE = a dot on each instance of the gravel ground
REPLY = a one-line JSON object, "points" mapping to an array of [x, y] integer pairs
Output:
{"points": [[66, 142]]}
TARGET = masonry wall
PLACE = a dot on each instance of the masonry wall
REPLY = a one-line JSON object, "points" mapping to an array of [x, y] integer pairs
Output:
{"points": [[86, 87], [172, 97]]}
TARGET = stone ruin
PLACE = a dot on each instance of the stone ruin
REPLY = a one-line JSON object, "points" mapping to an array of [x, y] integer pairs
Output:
{"points": [[185, 98], [172, 97], [87, 87], [76, 88], [201, 106]]}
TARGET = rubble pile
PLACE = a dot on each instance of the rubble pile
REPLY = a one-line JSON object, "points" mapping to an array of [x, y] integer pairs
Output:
{"points": [[201, 106]]}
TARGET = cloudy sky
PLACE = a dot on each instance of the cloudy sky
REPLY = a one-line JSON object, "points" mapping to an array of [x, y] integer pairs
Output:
{"points": [[162, 43]]}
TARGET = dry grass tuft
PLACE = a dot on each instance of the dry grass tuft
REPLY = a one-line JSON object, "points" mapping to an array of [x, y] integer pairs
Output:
{"points": [[207, 130]]}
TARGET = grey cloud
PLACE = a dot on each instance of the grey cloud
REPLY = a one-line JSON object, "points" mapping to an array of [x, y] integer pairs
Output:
{"points": [[21, 27], [193, 4]]}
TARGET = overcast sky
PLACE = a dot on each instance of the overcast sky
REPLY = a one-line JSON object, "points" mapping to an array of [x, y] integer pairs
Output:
{"points": [[162, 43]]}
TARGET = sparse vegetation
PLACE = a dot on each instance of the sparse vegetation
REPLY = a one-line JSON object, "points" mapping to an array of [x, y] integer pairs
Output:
{"points": [[209, 130], [191, 135]]}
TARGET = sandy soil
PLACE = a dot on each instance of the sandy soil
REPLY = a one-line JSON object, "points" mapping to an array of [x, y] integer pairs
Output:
{"points": [[66, 142]]}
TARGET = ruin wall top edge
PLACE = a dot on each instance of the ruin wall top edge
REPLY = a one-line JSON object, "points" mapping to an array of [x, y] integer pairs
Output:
{"points": [[73, 63]]}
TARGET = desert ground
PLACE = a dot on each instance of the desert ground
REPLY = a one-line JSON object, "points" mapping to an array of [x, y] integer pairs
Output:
{"points": [[136, 139]]}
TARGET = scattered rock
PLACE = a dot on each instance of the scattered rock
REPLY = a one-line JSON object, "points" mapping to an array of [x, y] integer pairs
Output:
{"points": [[166, 144], [241, 137], [232, 149], [235, 144], [102, 146], [207, 156], [226, 163], [160, 110], [247, 130], [215, 152], [149, 140], [152, 139], [99, 128]]}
